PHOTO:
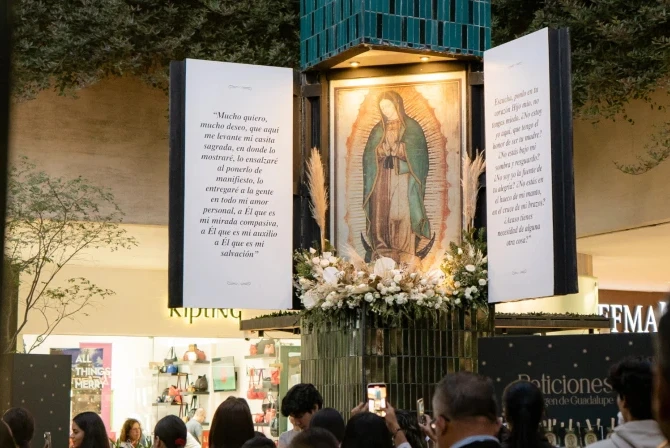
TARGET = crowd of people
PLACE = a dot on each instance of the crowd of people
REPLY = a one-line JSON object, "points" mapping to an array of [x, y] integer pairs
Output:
{"points": [[465, 415]]}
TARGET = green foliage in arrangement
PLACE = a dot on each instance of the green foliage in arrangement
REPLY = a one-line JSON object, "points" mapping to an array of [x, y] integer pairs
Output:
{"points": [[69, 45], [620, 53]]}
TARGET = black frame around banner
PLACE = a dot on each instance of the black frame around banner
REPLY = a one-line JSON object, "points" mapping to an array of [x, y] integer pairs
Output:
{"points": [[563, 177]]}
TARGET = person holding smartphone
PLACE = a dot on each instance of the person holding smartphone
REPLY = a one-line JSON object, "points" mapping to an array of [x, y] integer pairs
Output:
{"points": [[397, 433]]}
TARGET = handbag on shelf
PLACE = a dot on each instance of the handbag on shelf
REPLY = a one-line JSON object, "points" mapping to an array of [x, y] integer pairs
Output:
{"points": [[275, 377], [271, 411], [269, 349], [193, 348], [201, 384], [259, 418], [171, 357], [253, 350], [175, 393], [255, 391]]}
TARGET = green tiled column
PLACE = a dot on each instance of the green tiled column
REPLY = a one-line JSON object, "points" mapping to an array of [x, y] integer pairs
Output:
{"points": [[459, 27], [409, 356]]}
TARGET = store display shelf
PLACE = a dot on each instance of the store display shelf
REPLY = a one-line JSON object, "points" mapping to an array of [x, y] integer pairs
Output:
{"points": [[260, 357], [186, 394], [262, 425], [170, 374], [165, 404], [190, 363]]}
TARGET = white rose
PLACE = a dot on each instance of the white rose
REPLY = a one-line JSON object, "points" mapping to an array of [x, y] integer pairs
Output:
{"points": [[325, 263], [369, 297], [333, 259], [412, 275], [327, 255], [470, 268], [316, 260], [397, 278], [373, 277], [377, 295], [360, 273], [450, 257], [457, 301], [482, 282], [460, 251], [312, 250], [455, 293], [457, 284]]}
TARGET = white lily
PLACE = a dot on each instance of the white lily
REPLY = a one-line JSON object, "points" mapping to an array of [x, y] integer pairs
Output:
{"points": [[383, 266], [331, 275]]}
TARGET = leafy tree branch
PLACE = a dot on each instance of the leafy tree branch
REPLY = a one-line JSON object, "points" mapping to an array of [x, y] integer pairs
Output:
{"points": [[70, 45], [51, 221], [620, 53]]}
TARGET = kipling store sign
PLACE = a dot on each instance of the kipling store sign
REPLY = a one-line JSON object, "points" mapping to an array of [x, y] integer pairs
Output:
{"points": [[633, 319]]}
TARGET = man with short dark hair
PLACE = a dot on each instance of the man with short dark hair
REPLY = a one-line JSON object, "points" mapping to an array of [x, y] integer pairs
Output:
{"points": [[632, 381], [300, 403], [465, 413], [661, 396]]}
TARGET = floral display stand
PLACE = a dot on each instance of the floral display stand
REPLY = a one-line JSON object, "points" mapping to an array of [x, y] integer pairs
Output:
{"points": [[386, 321], [410, 355]]}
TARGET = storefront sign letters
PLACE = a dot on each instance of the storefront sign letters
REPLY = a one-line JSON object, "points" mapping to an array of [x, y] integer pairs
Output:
{"points": [[639, 320], [190, 314]]}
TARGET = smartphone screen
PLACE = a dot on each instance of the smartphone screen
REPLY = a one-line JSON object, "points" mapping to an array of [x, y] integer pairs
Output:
{"points": [[377, 398], [419, 407]]}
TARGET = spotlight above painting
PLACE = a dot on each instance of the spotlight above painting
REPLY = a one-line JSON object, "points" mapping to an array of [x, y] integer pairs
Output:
{"points": [[372, 58]]}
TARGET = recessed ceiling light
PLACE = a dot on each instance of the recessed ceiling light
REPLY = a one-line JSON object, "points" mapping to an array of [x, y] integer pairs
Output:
{"points": [[355, 64], [424, 58]]}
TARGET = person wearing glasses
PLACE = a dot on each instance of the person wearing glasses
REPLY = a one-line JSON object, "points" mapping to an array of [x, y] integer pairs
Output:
{"points": [[465, 413]]}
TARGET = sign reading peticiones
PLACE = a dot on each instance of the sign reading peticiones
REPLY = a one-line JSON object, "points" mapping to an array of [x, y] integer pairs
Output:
{"points": [[571, 371]]}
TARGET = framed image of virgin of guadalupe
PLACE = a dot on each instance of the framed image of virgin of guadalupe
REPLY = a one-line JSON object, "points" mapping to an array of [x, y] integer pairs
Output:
{"points": [[396, 165]]}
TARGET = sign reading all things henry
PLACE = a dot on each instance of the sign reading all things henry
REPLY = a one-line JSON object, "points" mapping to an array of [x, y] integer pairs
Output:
{"points": [[529, 177], [231, 228]]}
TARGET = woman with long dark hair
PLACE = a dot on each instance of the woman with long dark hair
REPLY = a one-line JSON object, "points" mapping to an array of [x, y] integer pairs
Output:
{"points": [[523, 407], [367, 430], [170, 432], [232, 424], [88, 431]]}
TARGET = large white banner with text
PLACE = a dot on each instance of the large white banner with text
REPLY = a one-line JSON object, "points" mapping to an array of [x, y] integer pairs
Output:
{"points": [[237, 186], [518, 169]]}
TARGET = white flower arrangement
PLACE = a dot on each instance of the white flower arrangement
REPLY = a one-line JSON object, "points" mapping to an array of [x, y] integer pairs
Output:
{"points": [[330, 284], [466, 269]]}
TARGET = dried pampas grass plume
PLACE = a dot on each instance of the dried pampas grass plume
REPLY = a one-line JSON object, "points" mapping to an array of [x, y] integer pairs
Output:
{"points": [[472, 169], [316, 183], [355, 259]]}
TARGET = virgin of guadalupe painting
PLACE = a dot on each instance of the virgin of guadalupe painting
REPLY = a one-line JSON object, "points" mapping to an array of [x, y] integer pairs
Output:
{"points": [[395, 170], [397, 144]]}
